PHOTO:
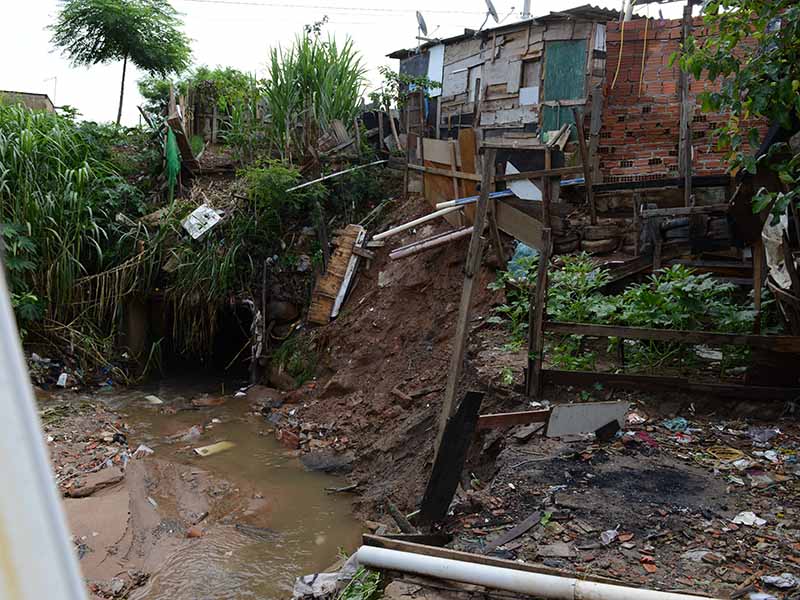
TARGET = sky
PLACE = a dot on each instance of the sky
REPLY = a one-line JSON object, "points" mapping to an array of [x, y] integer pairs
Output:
{"points": [[238, 33]]}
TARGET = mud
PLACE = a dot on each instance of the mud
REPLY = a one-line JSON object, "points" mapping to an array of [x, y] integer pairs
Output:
{"points": [[240, 524]]}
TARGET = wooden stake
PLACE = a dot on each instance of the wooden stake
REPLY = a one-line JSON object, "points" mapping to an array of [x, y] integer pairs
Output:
{"points": [[536, 317], [686, 114], [587, 167], [758, 278], [465, 307]]}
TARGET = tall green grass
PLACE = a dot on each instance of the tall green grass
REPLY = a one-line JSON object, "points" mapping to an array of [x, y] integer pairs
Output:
{"points": [[311, 84], [61, 193]]}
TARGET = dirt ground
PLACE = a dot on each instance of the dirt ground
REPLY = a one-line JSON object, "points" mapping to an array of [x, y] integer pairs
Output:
{"points": [[668, 498]]}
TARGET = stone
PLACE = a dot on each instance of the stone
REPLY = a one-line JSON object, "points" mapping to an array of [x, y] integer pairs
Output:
{"points": [[94, 482], [265, 396], [195, 532], [288, 438], [328, 461], [556, 550]]}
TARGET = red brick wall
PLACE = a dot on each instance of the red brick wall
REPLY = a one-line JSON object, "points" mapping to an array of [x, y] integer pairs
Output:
{"points": [[640, 131]]}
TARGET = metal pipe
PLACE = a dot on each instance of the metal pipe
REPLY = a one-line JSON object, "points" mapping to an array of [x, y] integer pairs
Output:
{"points": [[526, 9], [433, 242], [473, 199], [521, 582], [332, 175]]}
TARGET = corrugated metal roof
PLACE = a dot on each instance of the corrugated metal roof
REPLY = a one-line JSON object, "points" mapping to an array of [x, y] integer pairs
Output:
{"points": [[587, 12]]}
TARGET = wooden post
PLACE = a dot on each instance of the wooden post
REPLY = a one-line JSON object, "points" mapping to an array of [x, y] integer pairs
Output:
{"points": [[587, 167], [380, 130], [536, 317], [214, 125], [358, 136], [454, 163], [494, 231], [547, 196], [758, 279], [595, 125], [685, 147], [465, 307]]}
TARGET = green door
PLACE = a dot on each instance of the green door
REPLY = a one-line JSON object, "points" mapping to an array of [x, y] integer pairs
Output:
{"points": [[564, 79]]}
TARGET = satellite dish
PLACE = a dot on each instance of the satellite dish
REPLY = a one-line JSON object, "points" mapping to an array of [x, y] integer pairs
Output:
{"points": [[492, 11], [421, 22]]}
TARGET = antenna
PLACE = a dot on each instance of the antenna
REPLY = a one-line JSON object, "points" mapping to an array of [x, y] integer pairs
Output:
{"points": [[423, 28], [490, 12]]}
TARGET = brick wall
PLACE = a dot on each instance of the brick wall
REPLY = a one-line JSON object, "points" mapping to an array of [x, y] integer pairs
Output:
{"points": [[641, 126]]}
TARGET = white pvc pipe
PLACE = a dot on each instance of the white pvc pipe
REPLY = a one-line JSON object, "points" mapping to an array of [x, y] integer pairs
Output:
{"points": [[415, 222], [521, 582]]}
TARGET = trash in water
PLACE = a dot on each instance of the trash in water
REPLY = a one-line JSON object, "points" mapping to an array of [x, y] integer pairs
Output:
{"points": [[761, 596], [214, 448], [152, 502], [748, 517], [783, 581], [153, 400], [676, 424]]}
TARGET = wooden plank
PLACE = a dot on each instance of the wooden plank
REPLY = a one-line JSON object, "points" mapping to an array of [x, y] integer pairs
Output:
{"points": [[467, 147], [465, 306], [587, 166], [449, 462], [352, 265], [402, 546], [524, 417], [683, 211], [557, 172], [328, 292], [519, 225], [685, 138], [732, 390], [536, 317], [776, 343], [502, 539], [445, 172]]}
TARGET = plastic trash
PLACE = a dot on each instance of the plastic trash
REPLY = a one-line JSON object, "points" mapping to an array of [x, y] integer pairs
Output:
{"points": [[155, 400], [761, 596], [783, 581], [748, 517], [519, 264], [677, 424], [214, 448], [762, 435], [609, 536], [143, 451], [62, 380]]}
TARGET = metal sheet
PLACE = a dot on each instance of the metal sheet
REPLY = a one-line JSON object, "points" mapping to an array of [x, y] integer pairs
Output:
{"points": [[586, 417]]}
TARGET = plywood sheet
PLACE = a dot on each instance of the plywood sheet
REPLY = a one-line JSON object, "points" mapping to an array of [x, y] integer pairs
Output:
{"points": [[518, 225], [467, 145]]}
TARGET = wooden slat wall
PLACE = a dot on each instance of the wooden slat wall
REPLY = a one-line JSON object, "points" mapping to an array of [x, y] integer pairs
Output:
{"points": [[327, 286]]}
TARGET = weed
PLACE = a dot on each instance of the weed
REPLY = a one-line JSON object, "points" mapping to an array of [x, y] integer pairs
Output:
{"points": [[297, 357], [363, 586]]}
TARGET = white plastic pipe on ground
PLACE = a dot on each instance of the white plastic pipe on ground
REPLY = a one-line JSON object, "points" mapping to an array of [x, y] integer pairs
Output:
{"points": [[501, 578], [415, 222]]}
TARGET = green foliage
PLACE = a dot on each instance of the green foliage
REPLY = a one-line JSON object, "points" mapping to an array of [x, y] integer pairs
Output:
{"points": [[60, 193], [312, 83], [144, 31], [754, 51], [297, 357], [397, 87], [674, 298], [363, 586]]}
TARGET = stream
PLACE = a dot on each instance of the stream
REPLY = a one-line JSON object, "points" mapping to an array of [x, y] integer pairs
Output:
{"points": [[297, 527]]}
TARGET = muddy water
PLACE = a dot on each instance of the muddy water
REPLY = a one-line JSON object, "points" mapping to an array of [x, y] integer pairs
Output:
{"points": [[302, 529]]}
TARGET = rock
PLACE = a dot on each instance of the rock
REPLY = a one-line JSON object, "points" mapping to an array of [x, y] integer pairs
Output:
{"points": [[208, 401], [328, 461], [281, 379], [524, 433], [195, 532], [288, 438], [265, 396], [557, 550], [281, 311], [94, 482]]}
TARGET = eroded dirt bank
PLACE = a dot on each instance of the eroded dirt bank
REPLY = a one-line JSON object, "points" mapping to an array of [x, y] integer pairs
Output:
{"points": [[239, 524], [673, 498]]}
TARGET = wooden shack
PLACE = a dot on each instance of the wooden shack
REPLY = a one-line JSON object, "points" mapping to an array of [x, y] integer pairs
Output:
{"points": [[516, 82]]}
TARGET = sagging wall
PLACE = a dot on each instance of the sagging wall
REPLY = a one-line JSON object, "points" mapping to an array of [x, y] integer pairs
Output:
{"points": [[640, 131]]}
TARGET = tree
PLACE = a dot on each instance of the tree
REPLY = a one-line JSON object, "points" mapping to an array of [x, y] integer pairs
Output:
{"points": [[753, 48], [145, 32]]}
